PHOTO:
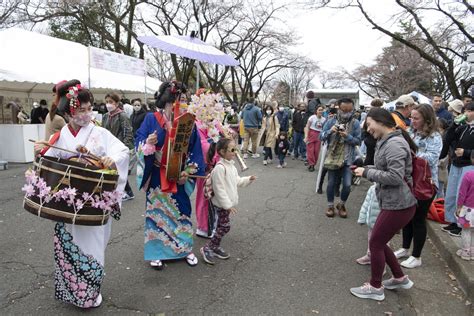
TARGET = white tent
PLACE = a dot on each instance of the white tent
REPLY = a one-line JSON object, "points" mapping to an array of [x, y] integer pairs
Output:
{"points": [[421, 99], [31, 62]]}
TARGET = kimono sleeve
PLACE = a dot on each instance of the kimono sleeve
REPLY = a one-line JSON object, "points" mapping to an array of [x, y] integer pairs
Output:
{"points": [[145, 163], [195, 154]]}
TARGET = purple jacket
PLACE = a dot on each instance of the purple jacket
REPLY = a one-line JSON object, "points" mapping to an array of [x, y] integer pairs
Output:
{"points": [[466, 190]]}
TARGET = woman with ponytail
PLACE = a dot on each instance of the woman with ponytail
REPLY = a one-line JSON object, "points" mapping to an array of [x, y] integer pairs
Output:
{"points": [[392, 174]]}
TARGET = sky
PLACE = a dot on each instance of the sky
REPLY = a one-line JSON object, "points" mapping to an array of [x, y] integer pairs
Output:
{"points": [[341, 38]]}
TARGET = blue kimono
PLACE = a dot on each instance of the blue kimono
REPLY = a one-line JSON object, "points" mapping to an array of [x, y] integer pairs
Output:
{"points": [[168, 227]]}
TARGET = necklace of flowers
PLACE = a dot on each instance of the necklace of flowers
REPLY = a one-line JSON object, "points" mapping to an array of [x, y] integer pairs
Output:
{"points": [[36, 186]]}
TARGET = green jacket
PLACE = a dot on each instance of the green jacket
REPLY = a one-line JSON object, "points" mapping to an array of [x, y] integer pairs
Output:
{"points": [[119, 125]]}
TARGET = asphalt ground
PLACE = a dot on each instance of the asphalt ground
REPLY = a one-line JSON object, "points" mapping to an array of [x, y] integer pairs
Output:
{"points": [[287, 258]]}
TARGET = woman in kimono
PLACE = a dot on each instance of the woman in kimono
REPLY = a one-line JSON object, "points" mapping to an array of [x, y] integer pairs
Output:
{"points": [[168, 227], [79, 251]]}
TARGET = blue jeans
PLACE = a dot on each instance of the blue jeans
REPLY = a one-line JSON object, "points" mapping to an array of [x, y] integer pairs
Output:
{"points": [[440, 193], [299, 147], [346, 174], [451, 197], [281, 158]]}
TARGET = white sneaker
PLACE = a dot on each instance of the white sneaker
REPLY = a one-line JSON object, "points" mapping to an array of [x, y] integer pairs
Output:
{"points": [[256, 156], [264, 162], [270, 161], [411, 263], [279, 166], [246, 156], [401, 253]]}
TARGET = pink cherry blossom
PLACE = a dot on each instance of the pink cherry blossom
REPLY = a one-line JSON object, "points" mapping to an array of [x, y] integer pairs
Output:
{"points": [[29, 189]]}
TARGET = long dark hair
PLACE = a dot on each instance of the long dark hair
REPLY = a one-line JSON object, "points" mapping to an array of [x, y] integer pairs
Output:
{"points": [[222, 144], [383, 117]]}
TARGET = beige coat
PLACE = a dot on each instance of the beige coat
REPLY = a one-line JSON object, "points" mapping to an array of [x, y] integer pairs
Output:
{"points": [[52, 127], [272, 132]]}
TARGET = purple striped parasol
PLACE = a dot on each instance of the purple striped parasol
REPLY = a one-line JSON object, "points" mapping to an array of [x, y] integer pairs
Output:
{"points": [[190, 47]]}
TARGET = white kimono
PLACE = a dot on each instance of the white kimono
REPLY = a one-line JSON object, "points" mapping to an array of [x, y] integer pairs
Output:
{"points": [[80, 250]]}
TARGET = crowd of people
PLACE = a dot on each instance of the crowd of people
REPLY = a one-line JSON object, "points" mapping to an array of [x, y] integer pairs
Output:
{"points": [[334, 139]]}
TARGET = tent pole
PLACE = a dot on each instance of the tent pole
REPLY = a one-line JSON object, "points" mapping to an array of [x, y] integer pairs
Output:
{"points": [[89, 67], [144, 69], [198, 70]]}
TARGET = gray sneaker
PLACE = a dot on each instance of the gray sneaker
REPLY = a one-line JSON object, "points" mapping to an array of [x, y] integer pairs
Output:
{"points": [[368, 291], [392, 284], [207, 255], [221, 254]]}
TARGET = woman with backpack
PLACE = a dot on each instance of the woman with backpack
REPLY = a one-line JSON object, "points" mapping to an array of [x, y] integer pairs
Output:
{"points": [[392, 174], [424, 132]]}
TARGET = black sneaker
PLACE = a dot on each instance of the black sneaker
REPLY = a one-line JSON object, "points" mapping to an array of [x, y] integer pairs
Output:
{"points": [[320, 191], [449, 227], [456, 232], [221, 254], [207, 255]]}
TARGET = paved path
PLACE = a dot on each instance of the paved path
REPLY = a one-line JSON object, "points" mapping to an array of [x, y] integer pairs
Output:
{"points": [[287, 258]]}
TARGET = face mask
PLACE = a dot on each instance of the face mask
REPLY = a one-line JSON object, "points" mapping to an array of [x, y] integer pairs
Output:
{"points": [[231, 111], [110, 107], [345, 116], [137, 108], [281, 109], [269, 112], [83, 119]]}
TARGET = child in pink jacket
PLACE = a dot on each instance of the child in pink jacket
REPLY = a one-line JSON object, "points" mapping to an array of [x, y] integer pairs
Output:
{"points": [[465, 214]]}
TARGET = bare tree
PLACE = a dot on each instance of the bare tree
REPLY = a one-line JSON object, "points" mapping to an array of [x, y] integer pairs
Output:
{"points": [[183, 17], [397, 70], [261, 50], [441, 44], [299, 77], [7, 11], [109, 24]]}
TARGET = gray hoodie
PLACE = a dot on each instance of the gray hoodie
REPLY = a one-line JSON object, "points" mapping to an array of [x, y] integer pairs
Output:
{"points": [[392, 170]]}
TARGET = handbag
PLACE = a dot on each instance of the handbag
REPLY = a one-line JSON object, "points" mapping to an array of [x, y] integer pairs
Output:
{"points": [[335, 155]]}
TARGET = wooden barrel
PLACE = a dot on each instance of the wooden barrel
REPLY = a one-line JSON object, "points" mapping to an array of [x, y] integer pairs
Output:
{"points": [[60, 174]]}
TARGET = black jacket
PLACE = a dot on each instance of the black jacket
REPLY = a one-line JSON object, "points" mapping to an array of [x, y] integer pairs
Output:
{"points": [[137, 119], [459, 137], [299, 121], [285, 145]]}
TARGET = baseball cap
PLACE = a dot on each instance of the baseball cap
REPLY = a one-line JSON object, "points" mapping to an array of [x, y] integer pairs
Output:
{"points": [[456, 106], [405, 100]]}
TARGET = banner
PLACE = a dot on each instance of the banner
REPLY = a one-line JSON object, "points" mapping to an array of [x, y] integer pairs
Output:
{"points": [[111, 61]]}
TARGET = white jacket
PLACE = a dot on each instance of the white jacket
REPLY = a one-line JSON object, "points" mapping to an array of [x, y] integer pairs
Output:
{"points": [[225, 181]]}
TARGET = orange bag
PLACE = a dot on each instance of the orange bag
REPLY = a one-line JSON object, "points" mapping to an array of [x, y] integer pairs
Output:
{"points": [[436, 212]]}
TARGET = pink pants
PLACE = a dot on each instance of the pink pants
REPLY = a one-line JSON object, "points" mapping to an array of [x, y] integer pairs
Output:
{"points": [[312, 147]]}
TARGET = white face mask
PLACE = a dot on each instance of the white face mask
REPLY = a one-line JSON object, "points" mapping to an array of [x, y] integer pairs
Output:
{"points": [[231, 111], [281, 109], [83, 119], [269, 112], [137, 107], [110, 107]]}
